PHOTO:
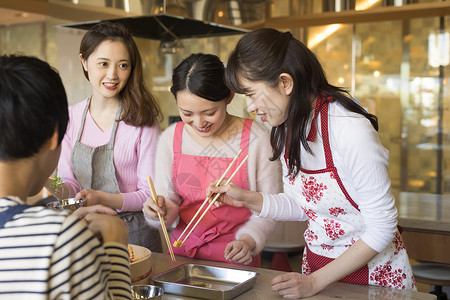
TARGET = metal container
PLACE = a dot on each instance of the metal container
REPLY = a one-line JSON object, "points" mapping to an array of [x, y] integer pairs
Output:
{"points": [[68, 203], [206, 282], [146, 292]]}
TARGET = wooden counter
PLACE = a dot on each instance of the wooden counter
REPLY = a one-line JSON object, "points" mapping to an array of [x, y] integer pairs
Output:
{"points": [[425, 219], [261, 290], [424, 212]]}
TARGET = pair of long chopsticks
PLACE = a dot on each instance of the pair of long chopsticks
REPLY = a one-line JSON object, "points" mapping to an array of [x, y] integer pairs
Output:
{"points": [[178, 243], [163, 225]]}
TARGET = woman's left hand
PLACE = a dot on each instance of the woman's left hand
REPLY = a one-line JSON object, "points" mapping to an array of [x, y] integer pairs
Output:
{"points": [[93, 197], [238, 251], [294, 285]]}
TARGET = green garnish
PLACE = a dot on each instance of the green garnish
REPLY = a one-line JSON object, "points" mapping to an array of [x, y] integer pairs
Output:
{"points": [[56, 184], [200, 284]]}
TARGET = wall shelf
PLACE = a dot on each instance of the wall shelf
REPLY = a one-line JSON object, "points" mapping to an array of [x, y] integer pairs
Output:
{"points": [[390, 13]]}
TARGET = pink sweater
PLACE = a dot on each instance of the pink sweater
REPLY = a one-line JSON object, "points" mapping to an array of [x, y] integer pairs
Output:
{"points": [[134, 155]]}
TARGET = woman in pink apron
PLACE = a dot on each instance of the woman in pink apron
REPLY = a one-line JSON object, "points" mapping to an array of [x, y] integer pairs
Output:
{"points": [[334, 167], [110, 143], [196, 151]]}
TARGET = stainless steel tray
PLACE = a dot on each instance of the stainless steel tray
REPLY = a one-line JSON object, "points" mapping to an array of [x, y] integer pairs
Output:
{"points": [[206, 282]]}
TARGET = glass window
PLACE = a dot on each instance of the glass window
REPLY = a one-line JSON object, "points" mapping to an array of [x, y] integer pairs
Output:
{"points": [[378, 59], [393, 68]]}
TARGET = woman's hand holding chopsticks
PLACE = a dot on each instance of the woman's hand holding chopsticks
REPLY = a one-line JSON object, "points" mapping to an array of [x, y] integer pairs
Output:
{"points": [[151, 210], [155, 198], [233, 195]]}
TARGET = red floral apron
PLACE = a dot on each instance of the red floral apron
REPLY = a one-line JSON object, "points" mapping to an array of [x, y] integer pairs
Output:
{"points": [[335, 222], [191, 176]]}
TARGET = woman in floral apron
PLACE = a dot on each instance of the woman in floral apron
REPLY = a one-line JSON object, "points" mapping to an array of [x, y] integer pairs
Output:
{"points": [[111, 139], [196, 151], [335, 168]]}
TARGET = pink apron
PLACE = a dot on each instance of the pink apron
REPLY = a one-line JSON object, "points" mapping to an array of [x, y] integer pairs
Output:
{"points": [[191, 176], [335, 221]]}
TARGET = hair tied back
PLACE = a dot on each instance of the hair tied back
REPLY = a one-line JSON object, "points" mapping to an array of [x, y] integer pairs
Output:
{"points": [[287, 35]]}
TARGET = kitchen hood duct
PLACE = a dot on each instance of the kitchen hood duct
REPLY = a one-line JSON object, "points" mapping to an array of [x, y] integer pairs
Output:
{"points": [[169, 28]]}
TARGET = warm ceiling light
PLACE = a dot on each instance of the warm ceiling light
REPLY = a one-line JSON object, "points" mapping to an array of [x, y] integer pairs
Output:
{"points": [[407, 38], [323, 34], [376, 74], [330, 29], [220, 14], [366, 4], [439, 49]]}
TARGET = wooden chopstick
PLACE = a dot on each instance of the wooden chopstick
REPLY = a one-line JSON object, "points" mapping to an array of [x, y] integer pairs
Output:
{"points": [[163, 225], [207, 198], [214, 199]]}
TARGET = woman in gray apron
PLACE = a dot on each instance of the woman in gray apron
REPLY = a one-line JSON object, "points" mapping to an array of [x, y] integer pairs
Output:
{"points": [[109, 147]]}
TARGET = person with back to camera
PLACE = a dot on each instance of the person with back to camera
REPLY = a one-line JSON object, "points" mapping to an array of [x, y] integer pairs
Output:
{"points": [[45, 253], [197, 150], [335, 169], [111, 139]]}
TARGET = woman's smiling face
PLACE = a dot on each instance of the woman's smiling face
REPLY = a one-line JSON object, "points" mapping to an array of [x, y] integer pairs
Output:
{"points": [[109, 68], [269, 103], [204, 116]]}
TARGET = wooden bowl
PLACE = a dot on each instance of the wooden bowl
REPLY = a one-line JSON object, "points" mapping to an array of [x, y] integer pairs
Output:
{"points": [[141, 268]]}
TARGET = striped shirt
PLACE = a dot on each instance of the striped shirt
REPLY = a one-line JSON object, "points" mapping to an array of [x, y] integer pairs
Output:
{"points": [[48, 254]]}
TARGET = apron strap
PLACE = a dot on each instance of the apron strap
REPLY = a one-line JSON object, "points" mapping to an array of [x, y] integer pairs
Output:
{"points": [[322, 102], [9, 213], [177, 136], [114, 129], [83, 119], [116, 118], [322, 107]]}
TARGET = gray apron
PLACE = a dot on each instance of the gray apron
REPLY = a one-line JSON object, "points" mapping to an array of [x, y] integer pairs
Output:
{"points": [[94, 169]]}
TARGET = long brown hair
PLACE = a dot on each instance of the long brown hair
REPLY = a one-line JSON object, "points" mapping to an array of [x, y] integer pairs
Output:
{"points": [[262, 55], [139, 107]]}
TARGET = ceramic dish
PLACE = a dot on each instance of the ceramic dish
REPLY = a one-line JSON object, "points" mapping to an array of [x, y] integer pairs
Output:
{"points": [[141, 265]]}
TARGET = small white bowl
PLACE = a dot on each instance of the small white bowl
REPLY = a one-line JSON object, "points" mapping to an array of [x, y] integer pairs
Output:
{"points": [[144, 291]]}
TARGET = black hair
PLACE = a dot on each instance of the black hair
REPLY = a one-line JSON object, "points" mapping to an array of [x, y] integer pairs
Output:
{"points": [[33, 104], [201, 75], [262, 55]]}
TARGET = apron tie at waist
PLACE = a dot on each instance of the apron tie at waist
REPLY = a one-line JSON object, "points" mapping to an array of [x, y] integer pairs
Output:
{"points": [[195, 242], [321, 100]]}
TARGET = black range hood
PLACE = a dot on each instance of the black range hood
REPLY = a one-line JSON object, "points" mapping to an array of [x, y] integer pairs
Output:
{"points": [[165, 27]]}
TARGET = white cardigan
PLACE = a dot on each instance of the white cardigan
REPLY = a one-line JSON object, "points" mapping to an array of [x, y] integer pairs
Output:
{"points": [[362, 165]]}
